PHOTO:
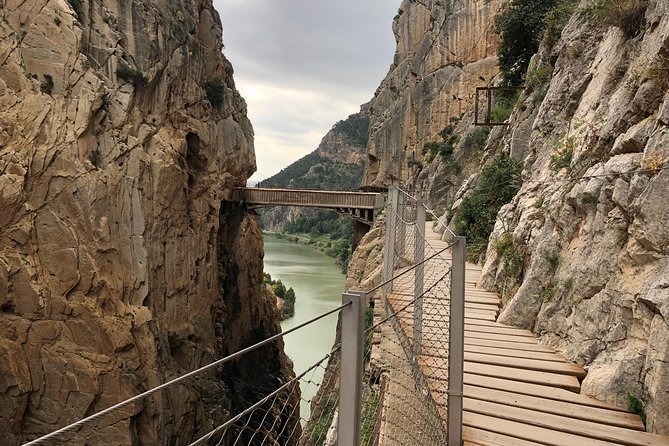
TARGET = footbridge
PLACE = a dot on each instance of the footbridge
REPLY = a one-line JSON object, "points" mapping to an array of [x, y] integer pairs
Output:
{"points": [[359, 205]]}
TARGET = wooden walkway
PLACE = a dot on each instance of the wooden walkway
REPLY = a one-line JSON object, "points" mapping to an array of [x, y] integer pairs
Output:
{"points": [[516, 390]]}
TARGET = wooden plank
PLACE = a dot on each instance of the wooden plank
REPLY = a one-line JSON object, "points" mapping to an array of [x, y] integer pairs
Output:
{"points": [[599, 415], [562, 368], [541, 356], [528, 376], [508, 345], [564, 424], [499, 330], [475, 436], [536, 434], [500, 337], [550, 393]]}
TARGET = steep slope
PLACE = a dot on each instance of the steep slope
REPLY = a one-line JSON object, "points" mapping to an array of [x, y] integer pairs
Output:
{"points": [[337, 164], [121, 133], [444, 50], [591, 219], [580, 254]]}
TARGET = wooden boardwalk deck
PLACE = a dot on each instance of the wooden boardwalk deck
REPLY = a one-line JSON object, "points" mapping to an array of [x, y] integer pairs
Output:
{"points": [[516, 390]]}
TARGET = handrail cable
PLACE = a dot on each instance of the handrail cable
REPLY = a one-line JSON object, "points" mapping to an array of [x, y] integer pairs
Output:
{"points": [[262, 401], [228, 358], [429, 211], [410, 269]]}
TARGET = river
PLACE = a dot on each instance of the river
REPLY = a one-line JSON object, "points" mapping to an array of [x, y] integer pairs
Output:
{"points": [[318, 283]]}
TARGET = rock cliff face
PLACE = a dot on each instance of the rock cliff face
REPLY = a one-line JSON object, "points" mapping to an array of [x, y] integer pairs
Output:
{"points": [[595, 240], [119, 268], [445, 49]]}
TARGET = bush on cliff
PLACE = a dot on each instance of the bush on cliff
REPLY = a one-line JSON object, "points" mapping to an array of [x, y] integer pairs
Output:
{"points": [[475, 217]]}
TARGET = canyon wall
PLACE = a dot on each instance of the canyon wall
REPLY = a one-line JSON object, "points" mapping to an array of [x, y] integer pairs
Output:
{"points": [[121, 133], [589, 224], [445, 49], [591, 220]]}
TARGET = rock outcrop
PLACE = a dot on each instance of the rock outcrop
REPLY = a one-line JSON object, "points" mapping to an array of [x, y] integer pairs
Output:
{"points": [[445, 49], [594, 230], [590, 221], [121, 132]]}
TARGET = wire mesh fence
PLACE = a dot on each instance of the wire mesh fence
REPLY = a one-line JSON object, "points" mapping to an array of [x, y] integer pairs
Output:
{"points": [[401, 393]]}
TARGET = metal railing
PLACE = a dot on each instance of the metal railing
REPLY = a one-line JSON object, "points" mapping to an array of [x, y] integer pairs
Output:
{"points": [[393, 378]]}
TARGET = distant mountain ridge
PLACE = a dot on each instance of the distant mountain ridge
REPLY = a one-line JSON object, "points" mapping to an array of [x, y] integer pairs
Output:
{"points": [[337, 163]]}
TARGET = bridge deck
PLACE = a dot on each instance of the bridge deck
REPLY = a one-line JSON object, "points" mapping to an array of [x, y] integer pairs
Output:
{"points": [[517, 391], [308, 198]]}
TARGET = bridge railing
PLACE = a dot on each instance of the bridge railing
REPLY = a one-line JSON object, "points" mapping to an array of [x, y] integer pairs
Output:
{"points": [[310, 198]]}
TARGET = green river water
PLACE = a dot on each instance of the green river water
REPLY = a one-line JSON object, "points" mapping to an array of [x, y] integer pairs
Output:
{"points": [[318, 283]]}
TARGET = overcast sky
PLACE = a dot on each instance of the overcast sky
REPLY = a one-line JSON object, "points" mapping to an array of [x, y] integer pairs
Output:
{"points": [[303, 65]]}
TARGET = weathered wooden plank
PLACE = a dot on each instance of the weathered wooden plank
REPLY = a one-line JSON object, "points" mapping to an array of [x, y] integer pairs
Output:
{"points": [[506, 344], [500, 337], [551, 393], [475, 436], [565, 424], [504, 330], [528, 376], [538, 404], [536, 434], [561, 368], [541, 356]]}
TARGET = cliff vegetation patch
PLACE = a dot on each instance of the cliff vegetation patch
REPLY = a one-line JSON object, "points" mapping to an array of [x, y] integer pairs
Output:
{"points": [[287, 295], [131, 75], [628, 15], [215, 90], [475, 217]]}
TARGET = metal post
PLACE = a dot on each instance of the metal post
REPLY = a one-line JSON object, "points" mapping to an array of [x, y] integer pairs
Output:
{"points": [[419, 256], [400, 236], [456, 342], [350, 387], [389, 250]]}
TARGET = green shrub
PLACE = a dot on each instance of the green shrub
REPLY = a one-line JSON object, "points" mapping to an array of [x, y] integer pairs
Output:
{"points": [[556, 19], [553, 258], [96, 157], [628, 15], [475, 218], [215, 90], [47, 84], [539, 76], [539, 203], [549, 290], [446, 147], [78, 7], [512, 257], [478, 138], [131, 76], [521, 27], [413, 163], [561, 160], [369, 411], [635, 405], [503, 106], [588, 198]]}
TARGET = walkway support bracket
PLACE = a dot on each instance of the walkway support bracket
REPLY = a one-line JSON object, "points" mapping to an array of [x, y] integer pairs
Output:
{"points": [[456, 342], [351, 368]]}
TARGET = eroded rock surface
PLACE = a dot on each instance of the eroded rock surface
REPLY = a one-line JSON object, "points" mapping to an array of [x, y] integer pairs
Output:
{"points": [[597, 248], [119, 268]]}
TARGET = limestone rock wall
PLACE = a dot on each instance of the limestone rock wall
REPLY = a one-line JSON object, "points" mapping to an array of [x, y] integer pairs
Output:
{"points": [[119, 269], [596, 249], [445, 49]]}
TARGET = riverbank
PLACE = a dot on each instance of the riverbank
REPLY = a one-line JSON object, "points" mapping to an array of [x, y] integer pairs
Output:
{"points": [[337, 248]]}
